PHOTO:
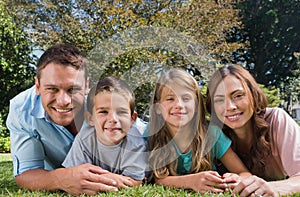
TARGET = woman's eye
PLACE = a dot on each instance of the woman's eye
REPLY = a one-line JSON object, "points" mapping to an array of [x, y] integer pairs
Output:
{"points": [[238, 96]]}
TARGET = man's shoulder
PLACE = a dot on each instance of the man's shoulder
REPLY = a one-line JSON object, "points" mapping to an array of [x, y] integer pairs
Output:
{"points": [[25, 98]]}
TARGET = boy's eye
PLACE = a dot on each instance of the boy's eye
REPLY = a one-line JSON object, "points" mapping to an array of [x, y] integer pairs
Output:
{"points": [[122, 112], [102, 112]]}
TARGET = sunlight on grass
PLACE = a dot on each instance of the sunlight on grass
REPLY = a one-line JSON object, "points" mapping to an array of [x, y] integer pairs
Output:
{"points": [[8, 187]]}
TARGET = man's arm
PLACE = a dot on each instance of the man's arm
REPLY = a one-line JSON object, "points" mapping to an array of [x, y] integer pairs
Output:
{"points": [[77, 180]]}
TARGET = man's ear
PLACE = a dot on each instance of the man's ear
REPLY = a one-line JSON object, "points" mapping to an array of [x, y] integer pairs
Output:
{"points": [[134, 117], [89, 118], [37, 85]]}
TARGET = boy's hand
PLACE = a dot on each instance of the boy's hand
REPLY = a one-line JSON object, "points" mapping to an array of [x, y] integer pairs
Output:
{"points": [[123, 181]]}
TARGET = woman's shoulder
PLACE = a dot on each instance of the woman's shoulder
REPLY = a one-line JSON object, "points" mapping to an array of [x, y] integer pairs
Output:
{"points": [[275, 113]]}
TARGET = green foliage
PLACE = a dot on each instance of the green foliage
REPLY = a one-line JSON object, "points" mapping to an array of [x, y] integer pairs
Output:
{"points": [[272, 95], [4, 138], [15, 59], [130, 38], [272, 28]]}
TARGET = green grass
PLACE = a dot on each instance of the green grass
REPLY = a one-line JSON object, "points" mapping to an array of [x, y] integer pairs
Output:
{"points": [[8, 187]]}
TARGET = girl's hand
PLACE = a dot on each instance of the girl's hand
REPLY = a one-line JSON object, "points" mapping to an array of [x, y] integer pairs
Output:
{"points": [[207, 181], [231, 180]]}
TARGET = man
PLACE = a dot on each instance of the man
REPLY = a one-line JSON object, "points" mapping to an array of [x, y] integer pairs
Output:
{"points": [[43, 121]]}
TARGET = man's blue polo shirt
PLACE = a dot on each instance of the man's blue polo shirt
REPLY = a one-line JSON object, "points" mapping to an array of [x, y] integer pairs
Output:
{"points": [[36, 141]]}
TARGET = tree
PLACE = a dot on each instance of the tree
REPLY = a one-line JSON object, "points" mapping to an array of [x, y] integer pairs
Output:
{"points": [[272, 28], [99, 29], [16, 70]]}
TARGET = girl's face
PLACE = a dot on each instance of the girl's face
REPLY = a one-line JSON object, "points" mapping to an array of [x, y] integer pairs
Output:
{"points": [[231, 103], [177, 106]]}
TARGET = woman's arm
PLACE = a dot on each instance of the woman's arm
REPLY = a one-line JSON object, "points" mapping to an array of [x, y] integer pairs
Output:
{"points": [[258, 186], [206, 181]]}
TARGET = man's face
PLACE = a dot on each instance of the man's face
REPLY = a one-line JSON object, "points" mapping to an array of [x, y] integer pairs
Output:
{"points": [[62, 90]]}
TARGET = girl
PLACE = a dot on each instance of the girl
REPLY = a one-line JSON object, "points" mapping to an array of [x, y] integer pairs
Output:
{"points": [[266, 139], [182, 149]]}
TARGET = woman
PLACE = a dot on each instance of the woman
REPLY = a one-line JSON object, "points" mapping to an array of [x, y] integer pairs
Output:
{"points": [[266, 139]]}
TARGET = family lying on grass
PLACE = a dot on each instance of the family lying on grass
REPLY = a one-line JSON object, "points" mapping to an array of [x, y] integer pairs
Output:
{"points": [[246, 147]]}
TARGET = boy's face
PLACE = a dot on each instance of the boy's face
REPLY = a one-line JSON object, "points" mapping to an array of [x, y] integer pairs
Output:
{"points": [[62, 90], [111, 117]]}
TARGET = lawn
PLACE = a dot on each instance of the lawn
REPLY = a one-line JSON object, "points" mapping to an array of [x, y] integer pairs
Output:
{"points": [[9, 188]]}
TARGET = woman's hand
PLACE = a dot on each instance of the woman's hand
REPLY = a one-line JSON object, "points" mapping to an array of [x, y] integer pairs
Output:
{"points": [[253, 186]]}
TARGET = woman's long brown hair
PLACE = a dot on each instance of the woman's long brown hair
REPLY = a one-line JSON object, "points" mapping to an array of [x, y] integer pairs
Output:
{"points": [[260, 147]]}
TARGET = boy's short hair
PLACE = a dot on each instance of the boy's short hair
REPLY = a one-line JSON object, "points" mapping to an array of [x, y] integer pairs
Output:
{"points": [[63, 54], [111, 85]]}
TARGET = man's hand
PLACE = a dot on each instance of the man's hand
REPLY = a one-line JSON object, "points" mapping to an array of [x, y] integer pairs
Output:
{"points": [[85, 178]]}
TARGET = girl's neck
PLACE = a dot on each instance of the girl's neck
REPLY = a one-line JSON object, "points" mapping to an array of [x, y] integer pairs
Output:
{"points": [[183, 138]]}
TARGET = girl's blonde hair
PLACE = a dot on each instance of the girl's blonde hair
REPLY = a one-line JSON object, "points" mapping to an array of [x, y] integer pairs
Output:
{"points": [[163, 157]]}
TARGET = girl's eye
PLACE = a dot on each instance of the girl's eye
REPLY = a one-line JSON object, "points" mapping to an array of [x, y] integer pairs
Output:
{"points": [[169, 98], [218, 100], [186, 98]]}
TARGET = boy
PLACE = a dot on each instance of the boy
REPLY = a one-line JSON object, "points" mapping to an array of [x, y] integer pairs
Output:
{"points": [[107, 143]]}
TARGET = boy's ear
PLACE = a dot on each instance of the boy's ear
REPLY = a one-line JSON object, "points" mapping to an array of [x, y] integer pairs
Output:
{"points": [[89, 118], [134, 116]]}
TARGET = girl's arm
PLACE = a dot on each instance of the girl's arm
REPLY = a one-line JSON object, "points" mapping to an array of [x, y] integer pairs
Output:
{"points": [[234, 164], [206, 181]]}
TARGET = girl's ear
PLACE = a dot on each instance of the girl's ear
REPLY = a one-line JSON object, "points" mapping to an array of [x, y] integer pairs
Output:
{"points": [[157, 108], [89, 118]]}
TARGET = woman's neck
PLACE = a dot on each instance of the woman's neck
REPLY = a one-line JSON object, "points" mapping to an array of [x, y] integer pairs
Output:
{"points": [[244, 137]]}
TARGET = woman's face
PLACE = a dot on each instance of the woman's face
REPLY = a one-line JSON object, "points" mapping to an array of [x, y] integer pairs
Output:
{"points": [[231, 103]]}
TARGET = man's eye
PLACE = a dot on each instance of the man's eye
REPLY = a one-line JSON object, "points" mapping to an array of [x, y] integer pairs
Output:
{"points": [[102, 112], [73, 90], [52, 89]]}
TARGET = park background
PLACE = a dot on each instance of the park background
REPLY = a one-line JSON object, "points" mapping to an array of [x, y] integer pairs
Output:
{"points": [[137, 39]]}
